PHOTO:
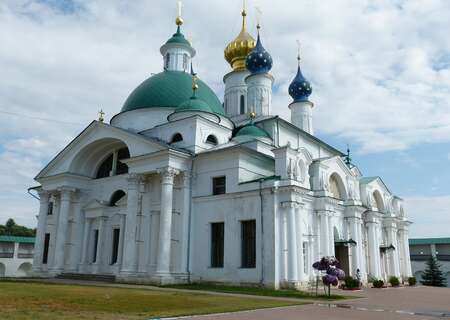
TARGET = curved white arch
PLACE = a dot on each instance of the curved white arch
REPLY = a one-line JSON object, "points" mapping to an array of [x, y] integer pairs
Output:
{"points": [[379, 201], [24, 270], [88, 159], [337, 186]]}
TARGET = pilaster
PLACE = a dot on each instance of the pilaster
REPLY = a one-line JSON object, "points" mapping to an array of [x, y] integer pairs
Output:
{"points": [[44, 197]]}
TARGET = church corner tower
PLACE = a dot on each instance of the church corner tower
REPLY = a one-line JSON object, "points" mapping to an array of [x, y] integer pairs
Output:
{"points": [[301, 108], [259, 82], [235, 101]]}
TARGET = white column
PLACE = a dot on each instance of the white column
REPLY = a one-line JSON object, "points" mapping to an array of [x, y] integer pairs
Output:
{"points": [[361, 251], [77, 235], [406, 257], [292, 244], [40, 232], [300, 257], [165, 221], [129, 248], [393, 254], [101, 231], [85, 252], [353, 222], [374, 250], [186, 196], [61, 231], [324, 234], [317, 239]]}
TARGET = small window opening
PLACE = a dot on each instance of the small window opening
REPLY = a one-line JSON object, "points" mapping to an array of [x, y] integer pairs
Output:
{"points": [[119, 194], [242, 105], [211, 139], [219, 185], [177, 137]]}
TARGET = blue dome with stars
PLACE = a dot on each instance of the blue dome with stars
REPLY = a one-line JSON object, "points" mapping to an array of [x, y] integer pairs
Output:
{"points": [[258, 60], [300, 88]]}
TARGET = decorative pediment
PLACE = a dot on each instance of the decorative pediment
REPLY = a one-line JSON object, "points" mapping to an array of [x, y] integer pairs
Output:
{"points": [[94, 141]]}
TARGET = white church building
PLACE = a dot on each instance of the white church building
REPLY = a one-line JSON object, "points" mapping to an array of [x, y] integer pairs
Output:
{"points": [[181, 187]]}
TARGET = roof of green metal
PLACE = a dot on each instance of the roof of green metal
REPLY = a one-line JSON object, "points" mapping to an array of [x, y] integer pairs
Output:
{"points": [[17, 239], [424, 241], [170, 89], [194, 104], [252, 130], [179, 38]]}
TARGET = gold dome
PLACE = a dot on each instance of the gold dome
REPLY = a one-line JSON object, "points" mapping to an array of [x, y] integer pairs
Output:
{"points": [[237, 50]]}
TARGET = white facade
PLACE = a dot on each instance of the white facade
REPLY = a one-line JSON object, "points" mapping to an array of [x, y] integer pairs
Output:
{"points": [[212, 205], [16, 256]]}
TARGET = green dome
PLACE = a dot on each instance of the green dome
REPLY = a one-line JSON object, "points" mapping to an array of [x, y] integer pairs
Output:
{"points": [[194, 104], [169, 89], [252, 130], [179, 38]]}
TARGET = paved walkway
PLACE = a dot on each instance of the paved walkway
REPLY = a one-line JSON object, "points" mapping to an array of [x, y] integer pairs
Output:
{"points": [[416, 303], [421, 303]]}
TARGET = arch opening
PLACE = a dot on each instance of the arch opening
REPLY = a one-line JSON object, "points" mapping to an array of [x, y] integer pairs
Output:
{"points": [[378, 201], [211, 139], [94, 159], [337, 187], [24, 270], [177, 137], [116, 197]]}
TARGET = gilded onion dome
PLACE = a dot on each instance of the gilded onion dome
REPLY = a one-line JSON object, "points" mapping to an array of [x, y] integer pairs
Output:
{"points": [[237, 50]]}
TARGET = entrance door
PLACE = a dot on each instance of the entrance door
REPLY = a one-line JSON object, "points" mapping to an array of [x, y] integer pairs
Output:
{"points": [[341, 253]]}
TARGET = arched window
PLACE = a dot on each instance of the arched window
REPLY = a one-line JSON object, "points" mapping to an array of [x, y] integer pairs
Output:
{"points": [[105, 168], [116, 196], [121, 155], [177, 137], [242, 105], [211, 139], [167, 61], [336, 187], [112, 166]]}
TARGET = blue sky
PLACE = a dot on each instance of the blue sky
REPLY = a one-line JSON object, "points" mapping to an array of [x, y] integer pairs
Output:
{"points": [[380, 72]]}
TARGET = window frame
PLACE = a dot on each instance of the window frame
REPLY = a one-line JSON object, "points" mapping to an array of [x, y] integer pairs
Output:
{"points": [[115, 245], [242, 104], [45, 251], [221, 188], [50, 208], [248, 244], [217, 252]]}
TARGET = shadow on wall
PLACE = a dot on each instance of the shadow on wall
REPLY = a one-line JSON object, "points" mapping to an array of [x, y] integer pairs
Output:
{"points": [[2, 270]]}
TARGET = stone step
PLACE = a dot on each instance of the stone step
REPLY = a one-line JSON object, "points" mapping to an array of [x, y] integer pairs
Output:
{"points": [[87, 277]]}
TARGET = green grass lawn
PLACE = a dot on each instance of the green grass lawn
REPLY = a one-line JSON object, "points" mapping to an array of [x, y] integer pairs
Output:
{"points": [[257, 291], [28, 300]]}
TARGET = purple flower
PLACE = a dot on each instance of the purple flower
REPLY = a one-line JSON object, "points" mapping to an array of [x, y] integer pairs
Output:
{"points": [[329, 279]]}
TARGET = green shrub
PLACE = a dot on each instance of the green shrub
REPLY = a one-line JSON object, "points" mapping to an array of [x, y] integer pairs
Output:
{"points": [[393, 280], [351, 283], [412, 281], [378, 283]]}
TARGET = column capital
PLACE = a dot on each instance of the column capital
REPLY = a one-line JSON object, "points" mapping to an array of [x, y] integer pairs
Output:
{"points": [[134, 179], [66, 192], [167, 174], [186, 178], [291, 204], [44, 195]]}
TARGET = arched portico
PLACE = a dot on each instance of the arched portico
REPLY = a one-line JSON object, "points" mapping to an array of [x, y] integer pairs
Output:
{"points": [[89, 159]]}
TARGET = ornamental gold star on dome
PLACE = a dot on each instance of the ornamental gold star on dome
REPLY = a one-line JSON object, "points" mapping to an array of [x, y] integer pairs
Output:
{"points": [[237, 50]]}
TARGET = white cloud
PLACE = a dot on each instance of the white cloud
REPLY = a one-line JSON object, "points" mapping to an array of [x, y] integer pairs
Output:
{"points": [[430, 216], [380, 71]]}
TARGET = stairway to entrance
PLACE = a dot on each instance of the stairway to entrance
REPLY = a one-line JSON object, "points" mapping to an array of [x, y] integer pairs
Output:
{"points": [[87, 277]]}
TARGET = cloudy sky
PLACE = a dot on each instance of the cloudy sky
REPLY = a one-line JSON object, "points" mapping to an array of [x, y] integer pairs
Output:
{"points": [[380, 72]]}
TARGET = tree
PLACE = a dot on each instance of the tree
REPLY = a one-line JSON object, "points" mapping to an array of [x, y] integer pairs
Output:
{"points": [[12, 229], [432, 275]]}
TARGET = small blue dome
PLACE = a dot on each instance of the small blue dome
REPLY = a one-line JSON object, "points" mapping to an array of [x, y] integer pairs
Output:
{"points": [[300, 88], [258, 60]]}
